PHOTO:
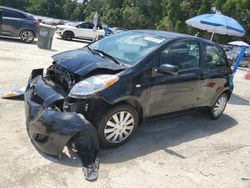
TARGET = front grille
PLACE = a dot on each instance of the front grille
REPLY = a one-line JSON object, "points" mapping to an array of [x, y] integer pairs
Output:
{"points": [[60, 76]]}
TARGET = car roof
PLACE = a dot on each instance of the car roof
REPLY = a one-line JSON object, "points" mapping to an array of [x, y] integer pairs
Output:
{"points": [[173, 35], [83, 22], [14, 9]]}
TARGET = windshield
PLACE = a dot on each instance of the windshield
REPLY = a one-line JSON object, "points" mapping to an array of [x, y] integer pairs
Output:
{"points": [[129, 47]]}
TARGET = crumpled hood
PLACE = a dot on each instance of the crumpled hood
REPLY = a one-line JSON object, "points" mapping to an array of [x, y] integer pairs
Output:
{"points": [[82, 62]]}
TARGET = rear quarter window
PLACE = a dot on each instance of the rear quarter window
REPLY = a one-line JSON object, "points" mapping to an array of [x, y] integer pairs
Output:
{"points": [[215, 56]]}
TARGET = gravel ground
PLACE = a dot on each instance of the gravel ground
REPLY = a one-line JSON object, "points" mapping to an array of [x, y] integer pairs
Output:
{"points": [[186, 151]]}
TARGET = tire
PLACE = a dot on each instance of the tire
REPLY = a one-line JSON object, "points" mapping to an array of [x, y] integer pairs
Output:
{"points": [[68, 35], [219, 106], [112, 131], [27, 36]]}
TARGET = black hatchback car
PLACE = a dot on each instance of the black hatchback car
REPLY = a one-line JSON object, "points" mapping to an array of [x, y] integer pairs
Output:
{"points": [[16, 23], [105, 89]]}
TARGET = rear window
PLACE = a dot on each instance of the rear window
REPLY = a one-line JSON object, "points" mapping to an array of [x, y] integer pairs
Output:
{"points": [[13, 14]]}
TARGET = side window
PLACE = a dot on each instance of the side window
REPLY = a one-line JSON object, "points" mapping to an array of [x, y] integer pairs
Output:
{"points": [[185, 55], [13, 14], [85, 26], [246, 55], [215, 56], [91, 26]]}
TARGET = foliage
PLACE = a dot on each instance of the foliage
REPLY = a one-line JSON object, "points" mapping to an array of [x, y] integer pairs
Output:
{"points": [[167, 15], [21, 4]]}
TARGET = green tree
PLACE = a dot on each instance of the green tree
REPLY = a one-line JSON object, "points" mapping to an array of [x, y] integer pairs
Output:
{"points": [[20, 4], [47, 8]]}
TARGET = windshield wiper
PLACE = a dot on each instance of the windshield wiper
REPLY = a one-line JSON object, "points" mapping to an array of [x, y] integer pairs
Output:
{"points": [[104, 54]]}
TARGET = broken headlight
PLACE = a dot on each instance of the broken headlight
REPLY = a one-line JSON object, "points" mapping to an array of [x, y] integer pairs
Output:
{"points": [[92, 85]]}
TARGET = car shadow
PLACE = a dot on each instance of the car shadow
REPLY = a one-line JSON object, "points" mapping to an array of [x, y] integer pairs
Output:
{"points": [[157, 135], [162, 134], [238, 100], [16, 40]]}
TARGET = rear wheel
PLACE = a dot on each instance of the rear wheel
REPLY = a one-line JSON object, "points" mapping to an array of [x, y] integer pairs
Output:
{"points": [[27, 36], [117, 126], [219, 106], [68, 35]]}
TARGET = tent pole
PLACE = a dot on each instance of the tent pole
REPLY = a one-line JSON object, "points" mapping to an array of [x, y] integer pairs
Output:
{"points": [[239, 58], [212, 36], [197, 34]]}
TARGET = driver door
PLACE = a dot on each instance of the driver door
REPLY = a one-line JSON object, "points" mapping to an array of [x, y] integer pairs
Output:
{"points": [[175, 93]]}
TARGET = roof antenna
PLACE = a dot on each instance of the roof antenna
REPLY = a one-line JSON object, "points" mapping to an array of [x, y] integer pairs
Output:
{"points": [[197, 34]]}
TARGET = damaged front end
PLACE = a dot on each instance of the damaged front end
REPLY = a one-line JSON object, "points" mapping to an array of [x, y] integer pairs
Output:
{"points": [[50, 128]]}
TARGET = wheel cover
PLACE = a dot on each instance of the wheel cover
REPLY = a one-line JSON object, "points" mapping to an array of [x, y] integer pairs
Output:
{"points": [[27, 36], [68, 36], [119, 127], [219, 106]]}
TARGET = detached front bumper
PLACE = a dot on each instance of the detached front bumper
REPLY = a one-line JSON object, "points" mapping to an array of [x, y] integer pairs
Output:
{"points": [[50, 130]]}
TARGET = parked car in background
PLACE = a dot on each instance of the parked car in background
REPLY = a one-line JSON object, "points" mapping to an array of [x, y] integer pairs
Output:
{"points": [[117, 30], [16, 23], [50, 21], [233, 55], [245, 62], [81, 30]]}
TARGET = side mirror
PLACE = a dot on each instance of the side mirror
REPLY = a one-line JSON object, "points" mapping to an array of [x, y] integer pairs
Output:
{"points": [[168, 69]]}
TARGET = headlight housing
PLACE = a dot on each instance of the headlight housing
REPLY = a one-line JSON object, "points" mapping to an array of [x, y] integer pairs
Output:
{"points": [[92, 85]]}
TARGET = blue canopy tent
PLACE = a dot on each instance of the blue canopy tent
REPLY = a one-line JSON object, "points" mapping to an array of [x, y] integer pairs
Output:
{"points": [[219, 24]]}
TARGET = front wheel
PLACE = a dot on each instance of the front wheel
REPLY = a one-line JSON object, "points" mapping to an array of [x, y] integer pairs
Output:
{"points": [[27, 36], [68, 35], [117, 126], [219, 106]]}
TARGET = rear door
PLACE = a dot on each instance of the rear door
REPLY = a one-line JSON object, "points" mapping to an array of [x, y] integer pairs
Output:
{"points": [[175, 93], [12, 22], [218, 72]]}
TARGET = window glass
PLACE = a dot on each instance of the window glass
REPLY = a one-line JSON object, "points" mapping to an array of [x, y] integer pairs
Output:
{"points": [[246, 55], [91, 26], [130, 46], [85, 26], [215, 56], [185, 55], [13, 14]]}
